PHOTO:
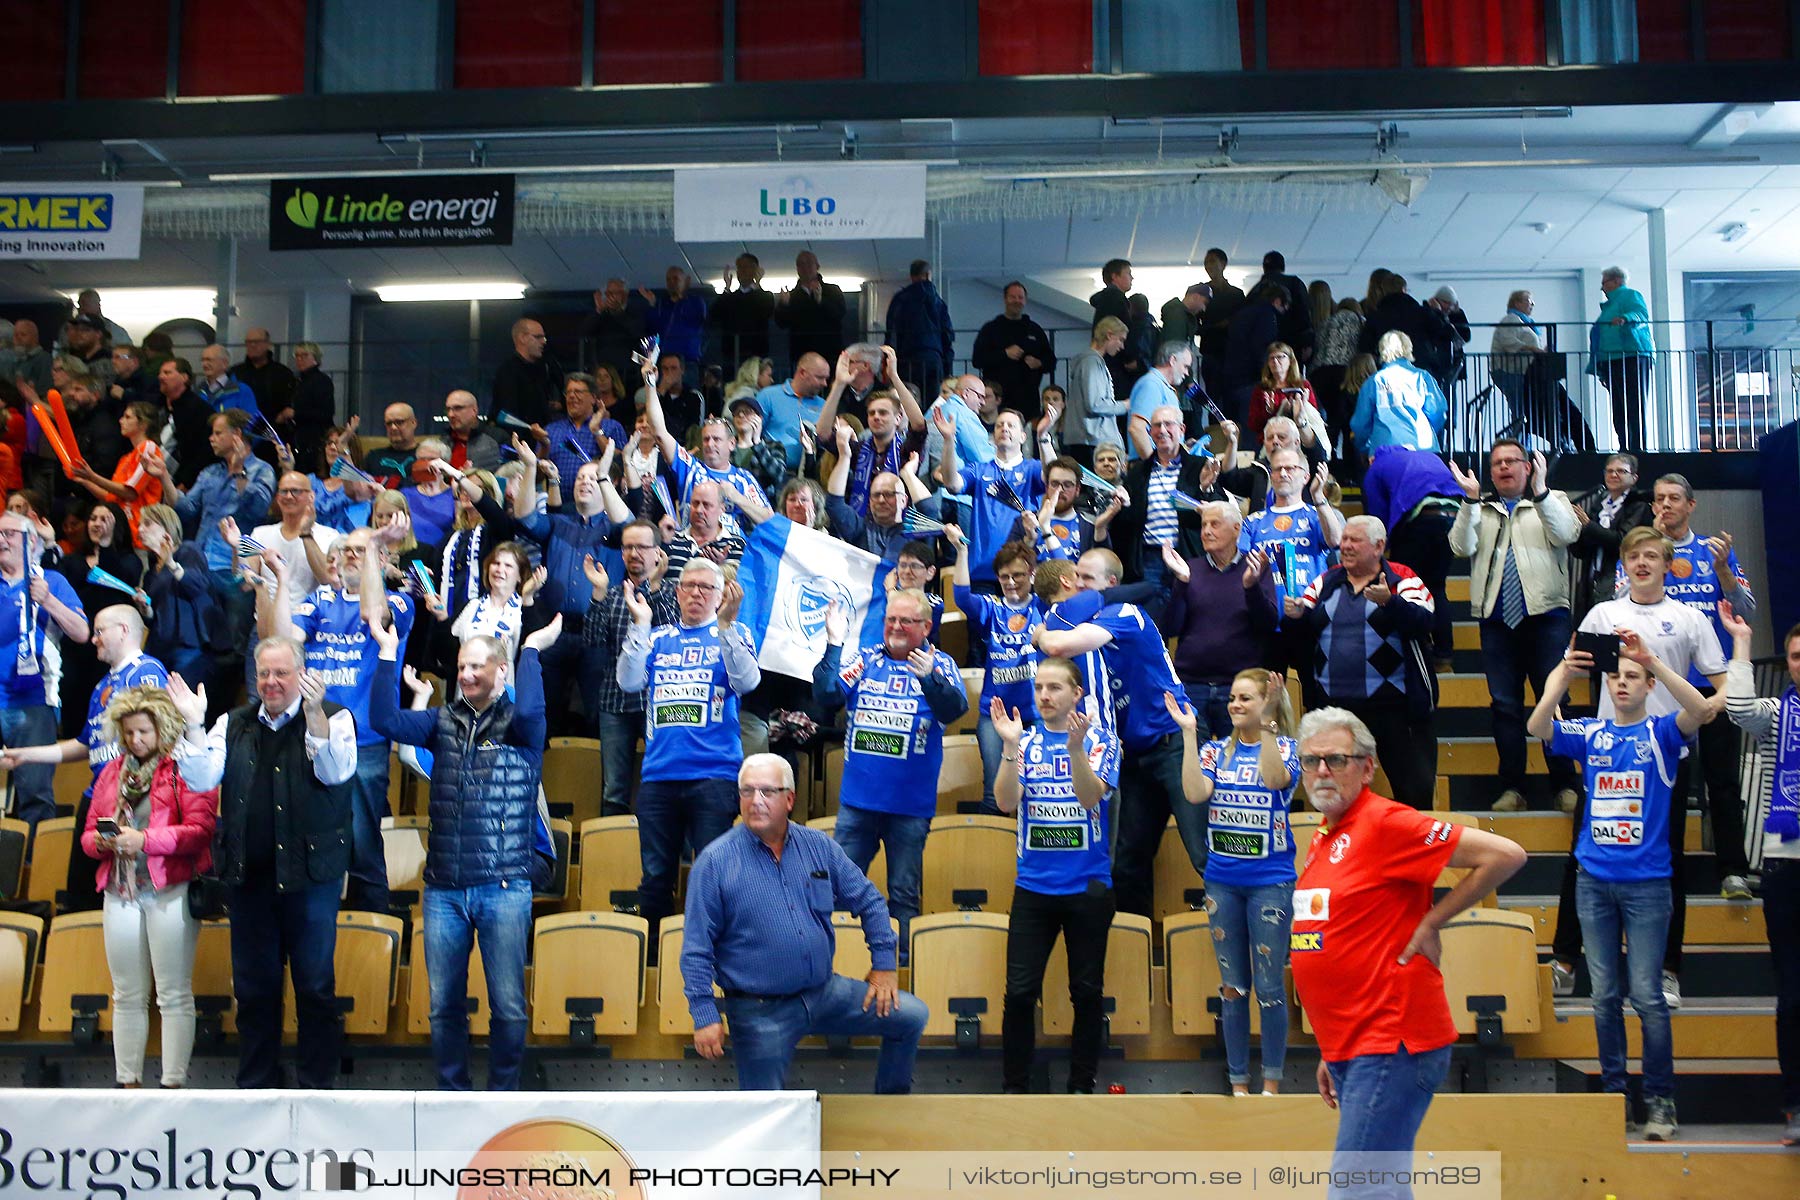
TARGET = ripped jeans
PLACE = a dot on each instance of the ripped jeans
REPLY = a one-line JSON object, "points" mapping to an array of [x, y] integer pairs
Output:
{"points": [[1250, 936]]}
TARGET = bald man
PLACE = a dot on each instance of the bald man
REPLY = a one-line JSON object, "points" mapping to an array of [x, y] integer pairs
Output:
{"points": [[787, 404], [267, 377], [471, 444], [529, 383], [392, 463]]}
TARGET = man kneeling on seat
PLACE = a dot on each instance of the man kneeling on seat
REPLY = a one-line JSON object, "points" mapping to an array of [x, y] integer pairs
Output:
{"points": [[759, 905]]}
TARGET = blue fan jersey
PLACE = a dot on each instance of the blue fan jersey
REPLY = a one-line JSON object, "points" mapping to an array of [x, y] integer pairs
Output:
{"points": [[339, 648], [1247, 836], [1630, 774], [893, 744], [1063, 846]]}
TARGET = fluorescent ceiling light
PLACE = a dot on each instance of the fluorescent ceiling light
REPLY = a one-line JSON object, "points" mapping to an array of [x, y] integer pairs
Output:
{"points": [[139, 310], [849, 283], [462, 289]]}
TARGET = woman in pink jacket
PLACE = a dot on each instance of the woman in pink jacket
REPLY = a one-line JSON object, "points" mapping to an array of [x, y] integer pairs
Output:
{"points": [[152, 834]]}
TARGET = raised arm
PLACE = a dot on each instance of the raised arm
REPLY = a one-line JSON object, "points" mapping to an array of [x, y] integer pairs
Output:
{"points": [[1196, 785], [659, 424]]}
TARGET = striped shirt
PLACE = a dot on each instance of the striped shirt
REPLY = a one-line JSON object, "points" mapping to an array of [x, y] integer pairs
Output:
{"points": [[1159, 510]]}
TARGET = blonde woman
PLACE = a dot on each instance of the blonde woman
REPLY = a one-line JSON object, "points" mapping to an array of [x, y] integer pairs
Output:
{"points": [[151, 833]]}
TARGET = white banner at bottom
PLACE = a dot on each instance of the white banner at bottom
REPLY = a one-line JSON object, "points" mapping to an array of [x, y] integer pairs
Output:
{"points": [[454, 1146]]}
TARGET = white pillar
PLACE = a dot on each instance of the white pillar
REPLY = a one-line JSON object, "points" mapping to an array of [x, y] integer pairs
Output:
{"points": [[225, 304]]}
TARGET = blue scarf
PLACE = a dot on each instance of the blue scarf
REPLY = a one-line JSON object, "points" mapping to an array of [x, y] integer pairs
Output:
{"points": [[1524, 319], [865, 466], [1784, 798]]}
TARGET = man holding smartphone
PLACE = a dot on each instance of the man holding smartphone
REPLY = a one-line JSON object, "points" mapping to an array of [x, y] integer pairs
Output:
{"points": [[1681, 636]]}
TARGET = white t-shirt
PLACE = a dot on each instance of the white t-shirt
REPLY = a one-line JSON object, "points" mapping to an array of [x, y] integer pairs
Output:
{"points": [[301, 581], [1677, 633]]}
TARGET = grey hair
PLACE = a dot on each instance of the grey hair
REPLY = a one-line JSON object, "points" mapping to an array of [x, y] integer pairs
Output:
{"points": [[1168, 350], [785, 769], [1370, 525], [1615, 272], [1287, 423], [1224, 511], [497, 649], [291, 645], [700, 563], [437, 445], [1324, 720], [1394, 344], [866, 352]]}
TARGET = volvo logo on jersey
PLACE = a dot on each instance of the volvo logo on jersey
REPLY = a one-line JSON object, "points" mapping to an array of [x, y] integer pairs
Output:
{"points": [[391, 211]]}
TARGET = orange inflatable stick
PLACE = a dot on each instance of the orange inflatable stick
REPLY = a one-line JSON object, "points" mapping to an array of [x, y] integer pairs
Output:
{"points": [[63, 429], [47, 423]]}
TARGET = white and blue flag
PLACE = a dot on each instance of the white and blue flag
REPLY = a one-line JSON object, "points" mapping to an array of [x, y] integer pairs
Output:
{"points": [[789, 574]]}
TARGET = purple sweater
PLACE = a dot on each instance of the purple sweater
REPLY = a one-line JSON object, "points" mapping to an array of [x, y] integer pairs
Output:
{"points": [[1221, 625], [1399, 479]]}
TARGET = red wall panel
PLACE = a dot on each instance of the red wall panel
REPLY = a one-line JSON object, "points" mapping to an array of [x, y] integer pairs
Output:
{"points": [[518, 43], [243, 47], [1747, 29], [799, 39], [142, 71], [1663, 31], [1036, 37], [35, 49], [1478, 33], [1323, 35], [632, 42]]}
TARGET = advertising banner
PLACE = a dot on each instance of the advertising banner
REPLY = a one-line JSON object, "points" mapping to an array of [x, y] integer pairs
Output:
{"points": [[70, 220], [256, 1145], [798, 201], [391, 211]]}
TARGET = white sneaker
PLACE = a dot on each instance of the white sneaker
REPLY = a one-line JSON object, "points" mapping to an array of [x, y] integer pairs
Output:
{"points": [[1562, 979], [1734, 887], [1671, 991], [1659, 1119], [1511, 800], [1568, 800]]}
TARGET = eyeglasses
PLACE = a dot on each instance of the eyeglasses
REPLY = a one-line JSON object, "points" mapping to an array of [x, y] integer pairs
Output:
{"points": [[750, 791], [1331, 762], [701, 588], [293, 492], [1509, 462], [1290, 469], [908, 621]]}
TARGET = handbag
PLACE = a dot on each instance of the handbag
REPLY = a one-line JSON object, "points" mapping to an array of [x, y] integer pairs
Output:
{"points": [[206, 897]]}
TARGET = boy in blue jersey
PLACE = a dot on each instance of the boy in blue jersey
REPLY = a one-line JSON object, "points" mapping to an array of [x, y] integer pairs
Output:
{"points": [[898, 696], [1065, 879], [999, 491], [37, 610], [692, 674], [1623, 850], [1130, 650], [1245, 782], [1061, 529], [332, 623], [1004, 624]]}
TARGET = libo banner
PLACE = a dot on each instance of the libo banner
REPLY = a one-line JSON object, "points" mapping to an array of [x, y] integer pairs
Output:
{"points": [[794, 201], [399, 210]]}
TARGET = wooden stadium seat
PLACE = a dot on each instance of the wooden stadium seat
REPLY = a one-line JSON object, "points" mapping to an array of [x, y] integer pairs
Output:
{"points": [[1303, 825], [50, 852], [1127, 987], [959, 971], [403, 842], [973, 678], [610, 863], [1490, 952], [573, 775], [30, 930], [14, 837], [959, 779], [851, 958], [70, 781], [1173, 875], [877, 866], [672, 1015], [75, 986], [367, 967], [418, 991], [834, 777], [953, 633], [15, 978], [1193, 971], [593, 961], [214, 998], [562, 833], [970, 854]]}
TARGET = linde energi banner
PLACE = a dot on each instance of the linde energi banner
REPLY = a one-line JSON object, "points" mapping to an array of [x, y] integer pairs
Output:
{"points": [[391, 211], [70, 220], [800, 201]]}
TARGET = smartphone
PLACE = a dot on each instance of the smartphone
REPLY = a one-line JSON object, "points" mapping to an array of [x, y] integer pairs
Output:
{"points": [[106, 827], [1604, 647]]}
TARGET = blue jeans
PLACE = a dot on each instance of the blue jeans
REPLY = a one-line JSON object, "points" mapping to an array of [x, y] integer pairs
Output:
{"points": [[991, 749], [1209, 701], [368, 805], [500, 915], [862, 831], [1382, 1100], [34, 784], [1638, 910], [1250, 938], [619, 761], [670, 812], [297, 928], [1508, 658], [765, 1032]]}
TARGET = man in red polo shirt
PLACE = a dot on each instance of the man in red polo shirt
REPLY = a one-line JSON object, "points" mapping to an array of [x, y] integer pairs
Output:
{"points": [[1365, 946]]}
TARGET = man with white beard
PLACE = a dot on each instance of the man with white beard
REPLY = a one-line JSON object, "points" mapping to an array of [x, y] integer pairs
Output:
{"points": [[1365, 946]]}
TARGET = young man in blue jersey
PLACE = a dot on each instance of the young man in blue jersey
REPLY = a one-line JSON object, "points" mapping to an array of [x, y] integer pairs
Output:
{"points": [[333, 625], [1061, 530], [999, 491], [1702, 572], [38, 609], [1131, 650], [119, 644], [1065, 874], [692, 674], [898, 696], [1629, 763], [1004, 623], [1298, 537]]}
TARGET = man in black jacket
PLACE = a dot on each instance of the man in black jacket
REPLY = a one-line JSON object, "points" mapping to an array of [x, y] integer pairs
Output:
{"points": [[529, 384], [314, 408], [266, 376], [1013, 351], [1296, 320], [1431, 333], [812, 312], [613, 334], [488, 830], [283, 768], [1607, 513], [742, 313], [1150, 520], [1114, 300]]}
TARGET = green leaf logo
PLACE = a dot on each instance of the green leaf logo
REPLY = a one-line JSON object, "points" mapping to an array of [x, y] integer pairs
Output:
{"points": [[303, 209]]}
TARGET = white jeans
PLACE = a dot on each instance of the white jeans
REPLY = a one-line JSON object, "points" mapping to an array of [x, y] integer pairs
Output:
{"points": [[152, 934]]}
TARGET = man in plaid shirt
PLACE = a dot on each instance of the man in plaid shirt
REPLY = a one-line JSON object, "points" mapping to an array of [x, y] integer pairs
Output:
{"points": [[621, 713]]}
